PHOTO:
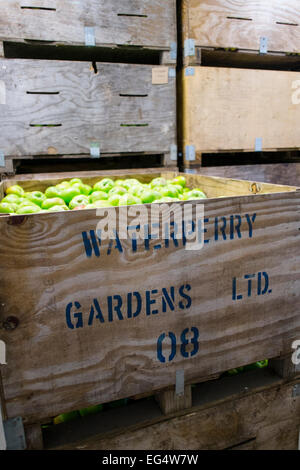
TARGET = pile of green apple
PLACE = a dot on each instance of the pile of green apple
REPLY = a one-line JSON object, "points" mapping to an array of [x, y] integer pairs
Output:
{"points": [[75, 195]]}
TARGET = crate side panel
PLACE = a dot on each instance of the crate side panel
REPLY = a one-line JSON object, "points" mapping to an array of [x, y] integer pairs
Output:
{"points": [[103, 321], [126, 22], [236, 109], [223, 23], [62, 108]]}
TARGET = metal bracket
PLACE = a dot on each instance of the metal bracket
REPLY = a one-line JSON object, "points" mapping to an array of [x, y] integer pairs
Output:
{"points": [[95, 150], [2, 159], [189, 47], [14, 434], [296, 391], [189, 71], [2, 353], [263, 45], [258, 144], [172, 72], [173, 152], [190, 153], [89, 33], [173, 50], [179, 388]]}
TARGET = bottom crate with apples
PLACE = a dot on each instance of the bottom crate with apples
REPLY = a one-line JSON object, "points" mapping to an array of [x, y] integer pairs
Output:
{"points": [[89, 319]]}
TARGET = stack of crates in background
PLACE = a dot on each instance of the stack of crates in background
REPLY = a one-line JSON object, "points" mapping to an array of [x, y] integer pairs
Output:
{"points": [[240, 89], [87, 85]]}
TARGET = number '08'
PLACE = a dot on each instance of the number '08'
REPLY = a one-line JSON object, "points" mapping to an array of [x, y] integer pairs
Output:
{"points": [[184, 342]]}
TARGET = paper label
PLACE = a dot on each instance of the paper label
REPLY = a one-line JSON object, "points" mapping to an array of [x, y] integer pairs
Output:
{"points": [[160, 75]]}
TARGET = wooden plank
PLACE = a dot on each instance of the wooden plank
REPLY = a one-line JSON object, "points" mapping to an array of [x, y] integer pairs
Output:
{"points": [[64, 107], [232, 109], [144, 23], [117, 353], [264, 419], [227, 24], [277, 173]]}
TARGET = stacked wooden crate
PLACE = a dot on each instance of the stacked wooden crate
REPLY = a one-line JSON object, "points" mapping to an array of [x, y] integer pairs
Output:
{"points": [[240, 88], [118, 100]]}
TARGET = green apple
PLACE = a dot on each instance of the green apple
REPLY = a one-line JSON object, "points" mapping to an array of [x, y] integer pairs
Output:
{"points": [[63, 185], [78, 201], [55, 201], [169, 191], [129, 182], [129, 200], [67, 194], [35, 196], [12, 199], [117, 190], [90, 206], [91, 410], [15, 189], [181, 180], [194, 194], [158, 182], [52, 191], [30, 209], [63, 418], [58, 208], [148, 196], [178, 187], [7, 208], [75, 181], [106, 184], [98, 196], [101, 203], [27, 202], [114, 199], [85, 189]]}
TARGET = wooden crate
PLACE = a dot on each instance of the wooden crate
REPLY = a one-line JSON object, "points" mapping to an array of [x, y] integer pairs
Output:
{"points": [[230, 109], [253, 411], [69, 108], [148, 24], [100, 320], [261, 27]]}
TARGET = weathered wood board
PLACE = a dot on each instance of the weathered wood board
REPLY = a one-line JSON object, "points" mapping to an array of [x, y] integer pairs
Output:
{"points": [[66, 108], [102, 319], [276, 173], [117, 22], [241, 25], [264, 419], [240, 110]]}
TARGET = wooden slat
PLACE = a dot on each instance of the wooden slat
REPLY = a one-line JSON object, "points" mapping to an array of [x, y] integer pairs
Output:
{"points": [[118, 107], [153, 23], [262, 419], [227, 24], [228, 109], [45, 268], [277, 173]]}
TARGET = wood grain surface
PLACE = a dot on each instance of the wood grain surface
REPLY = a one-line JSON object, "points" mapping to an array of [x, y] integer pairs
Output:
{"points": [[277, 173], [64, 107], [118, 22], [241, 24], [53, 366], [229, 109], [263, 420]]}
